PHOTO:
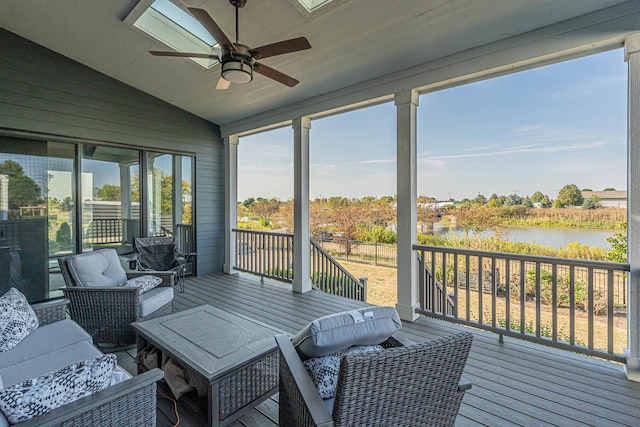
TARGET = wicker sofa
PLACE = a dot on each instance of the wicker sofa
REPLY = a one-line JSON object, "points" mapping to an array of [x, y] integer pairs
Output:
{"points": [[58, 342], [405, 385]]}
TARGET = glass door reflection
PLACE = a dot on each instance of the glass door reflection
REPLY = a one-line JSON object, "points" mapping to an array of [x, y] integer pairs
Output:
{"points": [[110, 195]]}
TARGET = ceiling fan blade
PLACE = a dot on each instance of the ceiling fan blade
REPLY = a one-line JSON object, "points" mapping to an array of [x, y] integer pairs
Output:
{"points": [[207, 22], [275, 75], [287, 46], [223, 84], [184, 54]]}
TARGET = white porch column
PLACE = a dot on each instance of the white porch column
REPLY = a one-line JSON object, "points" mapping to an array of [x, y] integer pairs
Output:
{"points": [[301, 241], [632, 352], [230, 201], [406, 108], [176, 167]]}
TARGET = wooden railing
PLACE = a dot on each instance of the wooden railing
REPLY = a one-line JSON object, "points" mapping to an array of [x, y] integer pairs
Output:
{"points": [[572, 304], [270, 255], [331, 277]]}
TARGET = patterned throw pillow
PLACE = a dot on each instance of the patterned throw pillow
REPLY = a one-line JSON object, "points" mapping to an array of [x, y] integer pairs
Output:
{"points": [[37, 396], [324, 370], [17, 319], [145, 283]]}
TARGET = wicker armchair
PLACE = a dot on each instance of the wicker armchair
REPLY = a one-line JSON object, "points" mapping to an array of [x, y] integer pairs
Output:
{"points": [[131, 403], [405, 385], [106, 312]]}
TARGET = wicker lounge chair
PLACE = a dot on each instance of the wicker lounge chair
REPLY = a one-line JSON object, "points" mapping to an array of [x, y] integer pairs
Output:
{"points": [[106, 312], [405, 385], [131, 403]]}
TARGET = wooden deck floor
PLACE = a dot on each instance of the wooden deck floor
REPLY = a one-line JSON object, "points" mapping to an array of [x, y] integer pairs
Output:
{"points": [[515, 383]]}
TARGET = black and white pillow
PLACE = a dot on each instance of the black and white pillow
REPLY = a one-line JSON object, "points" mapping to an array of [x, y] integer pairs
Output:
{"points": [[324, 370], [17, 319], [145, 283], [37, 396]]}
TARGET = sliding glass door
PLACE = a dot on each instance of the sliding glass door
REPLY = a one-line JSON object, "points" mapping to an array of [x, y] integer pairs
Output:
{"points": [[36, 214], [61, 198], [169, 179], [110, 194]]}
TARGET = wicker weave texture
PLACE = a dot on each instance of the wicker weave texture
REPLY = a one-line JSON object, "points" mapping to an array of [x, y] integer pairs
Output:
{"points": [[106, 313], [50, 312], [408, 386], [240, 388], [416, 385], [135, 409]]}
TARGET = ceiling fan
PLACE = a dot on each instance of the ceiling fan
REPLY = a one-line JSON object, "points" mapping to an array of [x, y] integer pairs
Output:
{"points": [[238, 60]]}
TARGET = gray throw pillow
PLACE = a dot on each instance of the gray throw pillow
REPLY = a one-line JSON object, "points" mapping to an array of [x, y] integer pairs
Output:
{"points": [[145, 283], [324, 370], [37, 396], [336, 332], [17, 319]]}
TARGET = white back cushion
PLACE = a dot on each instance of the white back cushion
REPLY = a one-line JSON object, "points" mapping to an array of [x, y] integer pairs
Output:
{"points": [[99, 268]]}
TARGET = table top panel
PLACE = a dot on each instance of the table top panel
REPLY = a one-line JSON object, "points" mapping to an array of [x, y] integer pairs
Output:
{"points": [[209, 340]]}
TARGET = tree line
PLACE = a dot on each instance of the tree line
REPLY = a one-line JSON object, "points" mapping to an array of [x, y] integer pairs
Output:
{"points": [[373, 219]]}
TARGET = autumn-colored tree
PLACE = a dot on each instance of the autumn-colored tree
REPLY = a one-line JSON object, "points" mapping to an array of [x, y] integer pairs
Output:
{"points": [[265, 208], [477, 218]]}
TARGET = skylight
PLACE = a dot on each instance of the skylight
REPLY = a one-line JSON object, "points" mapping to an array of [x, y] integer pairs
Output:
{"points": [[312, 5], [178, 30]]}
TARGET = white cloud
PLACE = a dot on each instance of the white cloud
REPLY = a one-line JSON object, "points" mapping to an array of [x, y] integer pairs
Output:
{"points": [[528, 149]]}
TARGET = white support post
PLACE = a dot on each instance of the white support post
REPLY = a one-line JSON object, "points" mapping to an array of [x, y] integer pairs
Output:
{"points": [[301, 238], [176, 167], [632, 352], [230, 201], [406, 108]]}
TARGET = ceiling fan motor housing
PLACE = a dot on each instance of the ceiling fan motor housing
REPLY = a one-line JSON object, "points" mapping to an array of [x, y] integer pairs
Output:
{"points": [[237, 66]]}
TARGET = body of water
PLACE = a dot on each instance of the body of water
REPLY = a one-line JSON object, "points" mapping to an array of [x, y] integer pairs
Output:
{"points": [[555, 237]]}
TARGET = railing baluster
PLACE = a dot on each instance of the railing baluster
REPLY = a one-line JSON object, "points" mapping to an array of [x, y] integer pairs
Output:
{"points": [[468, 285], [610, 311], [507, 302], [480, 291], [493, 291], [523, 297], [454, 312], [538, 299], [554, 302], [591, 305]]}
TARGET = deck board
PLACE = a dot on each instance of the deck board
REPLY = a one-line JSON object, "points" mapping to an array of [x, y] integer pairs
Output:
{"points": [[515, 383]]}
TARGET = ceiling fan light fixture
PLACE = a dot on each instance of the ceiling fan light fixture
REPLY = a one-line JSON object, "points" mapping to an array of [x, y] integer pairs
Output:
{"points": [[237, 71]]}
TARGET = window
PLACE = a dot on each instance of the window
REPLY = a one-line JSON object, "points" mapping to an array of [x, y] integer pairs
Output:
{"points": [[177, 29]]}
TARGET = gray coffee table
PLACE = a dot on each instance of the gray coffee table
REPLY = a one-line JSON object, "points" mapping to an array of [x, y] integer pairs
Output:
{"points": [[237, 356]]}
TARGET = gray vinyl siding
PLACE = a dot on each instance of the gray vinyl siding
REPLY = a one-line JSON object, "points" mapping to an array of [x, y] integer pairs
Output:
{"points": [[47, 93]]}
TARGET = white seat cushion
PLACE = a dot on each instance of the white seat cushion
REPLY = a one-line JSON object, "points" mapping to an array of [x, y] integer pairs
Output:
{"points": [[154, 299], [44, 340], [47, 362]]}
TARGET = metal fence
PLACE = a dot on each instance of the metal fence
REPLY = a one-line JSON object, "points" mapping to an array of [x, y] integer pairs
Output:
{"points": [[382, 254]]}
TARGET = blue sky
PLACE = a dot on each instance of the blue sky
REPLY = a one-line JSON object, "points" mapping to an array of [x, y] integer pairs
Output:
{"points": [[532, 131]]}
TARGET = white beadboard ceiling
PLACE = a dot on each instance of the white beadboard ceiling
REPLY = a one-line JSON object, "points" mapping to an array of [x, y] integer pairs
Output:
{"points": [[353, 41]]}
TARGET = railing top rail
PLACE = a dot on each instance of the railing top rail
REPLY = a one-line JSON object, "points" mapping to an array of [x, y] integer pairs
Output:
{"points": [[268, 233], [531, 258]]}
